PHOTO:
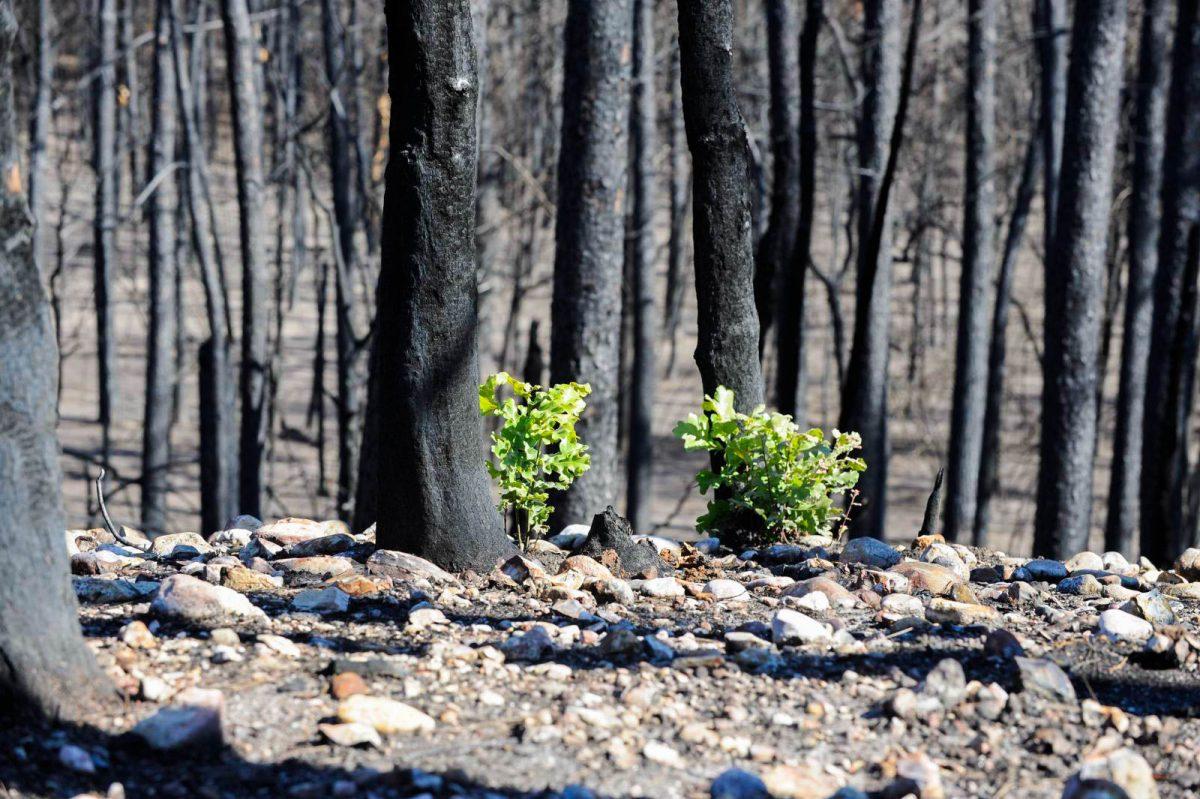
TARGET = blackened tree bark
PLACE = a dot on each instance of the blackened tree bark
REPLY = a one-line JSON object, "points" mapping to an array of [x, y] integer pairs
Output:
{"points": [[433, 495], [1074, 291], [45, 666], [790, 372], [975, 287], [585, 313], [1164, 439], [104, 219], [341, 145], [241, 52], [678, 181], [644, 376], [727, 346], [775, 249], [40, 123], [1149, 119], [218, 407], [1050, 28], [864, 398], [989, 465], [160, 349]]}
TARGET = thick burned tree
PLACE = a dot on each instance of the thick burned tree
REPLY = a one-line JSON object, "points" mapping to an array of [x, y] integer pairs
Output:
{"points": [[864, 397], [104, 218], [975, 287], [775, 249], [585, 313], [727, 349], [45, 666], [1172, 342], [241, 56], [789, 372], [160, 349], [1149, 118], [644, 374], [1075, 280], [433, 495]]}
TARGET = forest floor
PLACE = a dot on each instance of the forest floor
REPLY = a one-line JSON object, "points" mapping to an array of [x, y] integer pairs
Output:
{"points": [[328, 668]]}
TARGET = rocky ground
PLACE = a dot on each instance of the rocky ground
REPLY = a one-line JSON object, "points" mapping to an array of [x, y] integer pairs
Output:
{"points": [[291, 659]]}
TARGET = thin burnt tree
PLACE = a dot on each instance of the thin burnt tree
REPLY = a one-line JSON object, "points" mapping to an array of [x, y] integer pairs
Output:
{"points": [[218, 388], [104, 218], [1148, 142], [585, 312], [45, 665], [790, 372], [1050, 27], [975, 287], [774, 254], [241, 57], [641, 249], [864, 397], [1075, 280], [1172, 342], [40, 122], [989, 464], [161, 215], [727, 346], [433, 495], [341, 144]]}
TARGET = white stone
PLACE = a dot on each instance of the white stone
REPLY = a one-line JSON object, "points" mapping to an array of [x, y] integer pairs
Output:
{"points": [[1117, 625], [386, 715], [726, 589], [791, 626], [662, 587], [813, 600]]}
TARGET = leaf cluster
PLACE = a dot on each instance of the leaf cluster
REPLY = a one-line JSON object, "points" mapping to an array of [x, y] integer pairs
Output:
{"points": [[536, 448], [769, 467]]}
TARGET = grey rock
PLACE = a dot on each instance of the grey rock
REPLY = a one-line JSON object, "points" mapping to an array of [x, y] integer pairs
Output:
{"points": [[403, 566], [1041, 677], [1050, 571], [609, 530], [192, 723], [191, 600], [321, 600], [1117, 625], [793, 627], [870, 552]]}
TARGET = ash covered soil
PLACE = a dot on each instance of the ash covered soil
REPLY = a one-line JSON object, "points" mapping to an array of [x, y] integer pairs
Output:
{"points": [[293, 659]]}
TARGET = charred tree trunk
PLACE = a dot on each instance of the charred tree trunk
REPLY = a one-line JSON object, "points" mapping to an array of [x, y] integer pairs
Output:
{"points": [[1164, 439], [218, 434], [775, 249], [1149, 119], [39, 134], [432, 493], [585, 314], [1050, 26], [104, 220], [644, 377], [241, 50], [864, 399], [971, 355], [1075, 291], [160, 349], [676, 243], [989, 465], [45, 666], [341, 145], [790, 372], [727, 349]]}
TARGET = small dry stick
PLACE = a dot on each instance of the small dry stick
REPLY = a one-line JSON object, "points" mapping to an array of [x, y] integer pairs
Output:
{"points": [[108, 522]]}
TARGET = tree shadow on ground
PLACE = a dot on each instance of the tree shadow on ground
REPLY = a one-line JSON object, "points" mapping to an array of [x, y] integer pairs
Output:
{"points": [[30, 766]]}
